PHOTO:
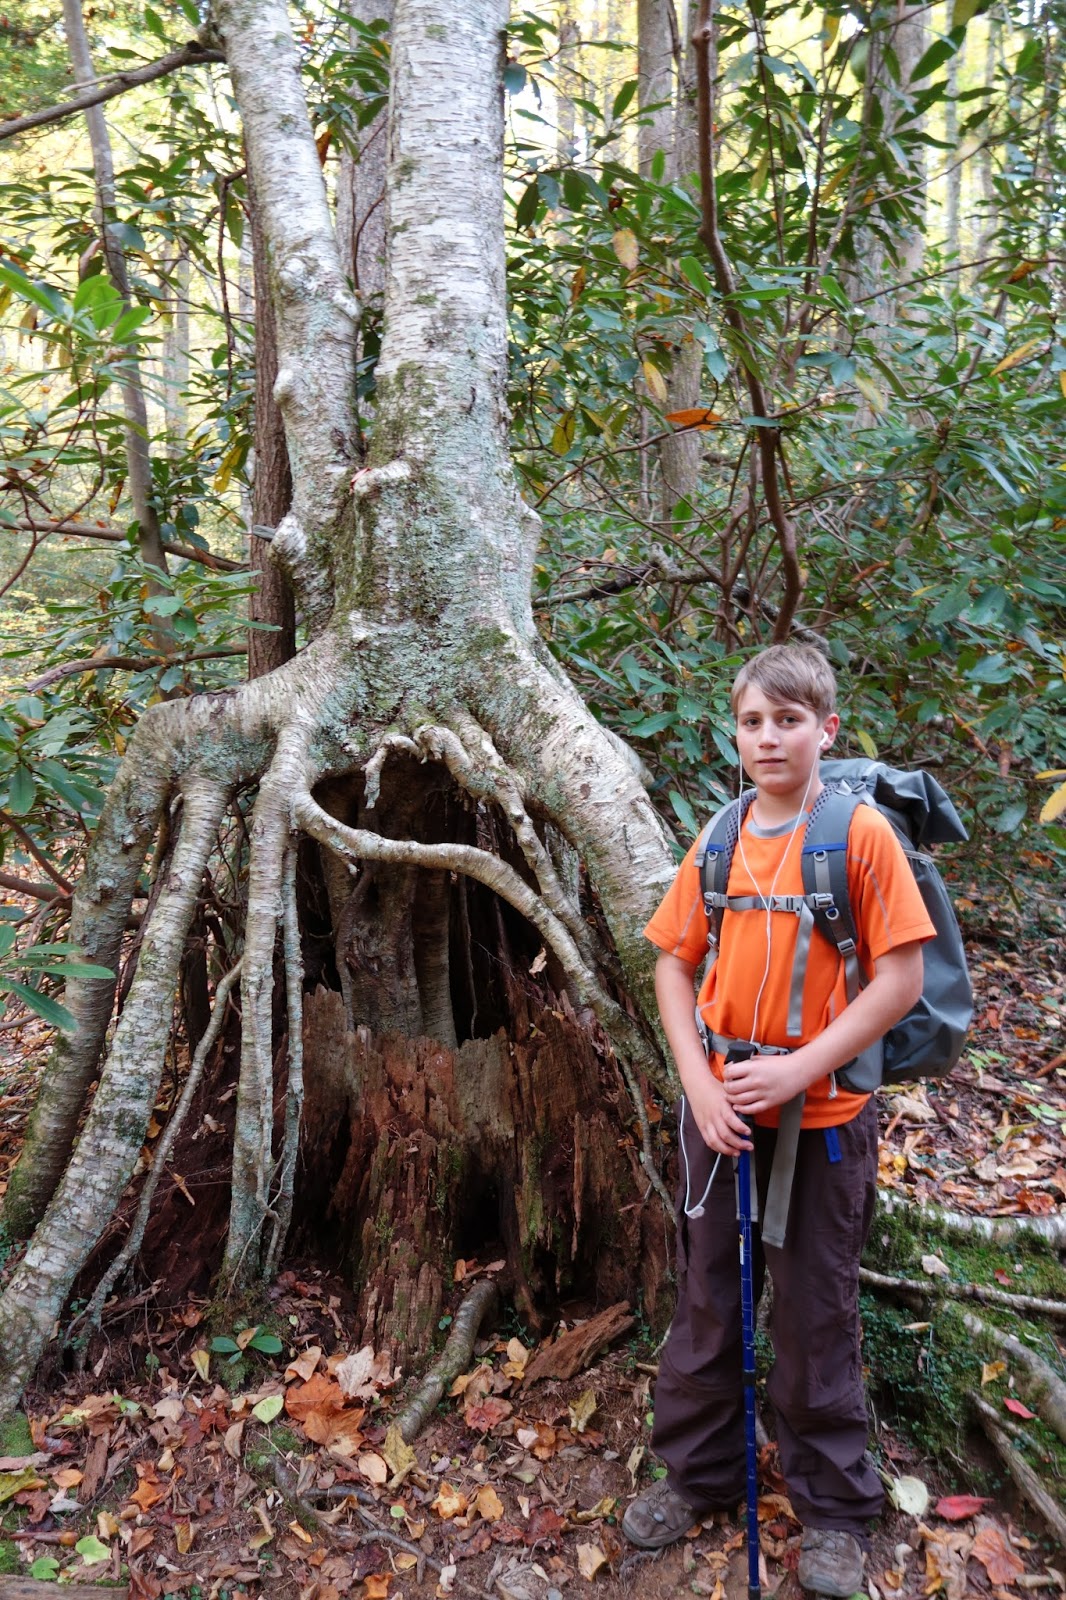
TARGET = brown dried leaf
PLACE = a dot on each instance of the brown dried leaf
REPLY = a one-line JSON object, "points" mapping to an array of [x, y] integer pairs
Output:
{"points": [[590, 1558], [488, 1504], [319, 1394], [305, 1364], [582, 1410], [450, 1502], [184, 1534], [375, 1468], [991, 1549]]}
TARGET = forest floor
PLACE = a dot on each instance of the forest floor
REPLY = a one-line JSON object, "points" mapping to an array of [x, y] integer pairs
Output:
{"points": [[272, 1467]]}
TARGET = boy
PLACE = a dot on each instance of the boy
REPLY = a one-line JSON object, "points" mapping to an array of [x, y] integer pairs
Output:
{"points": [[784, 704]]}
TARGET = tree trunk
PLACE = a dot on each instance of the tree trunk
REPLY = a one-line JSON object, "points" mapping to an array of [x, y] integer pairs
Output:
{"points": [[427, 742], [271, 602], [138, 459]]}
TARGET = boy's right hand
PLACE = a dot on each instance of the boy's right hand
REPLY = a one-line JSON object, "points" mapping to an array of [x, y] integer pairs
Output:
{"points": [[721, 1129]]}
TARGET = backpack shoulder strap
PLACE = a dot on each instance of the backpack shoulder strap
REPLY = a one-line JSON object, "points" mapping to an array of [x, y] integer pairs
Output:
{"points": [[715, 858], [824, 864]]}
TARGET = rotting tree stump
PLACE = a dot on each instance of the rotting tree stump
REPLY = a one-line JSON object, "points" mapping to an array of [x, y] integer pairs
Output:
{"points": [[506, 1146]]}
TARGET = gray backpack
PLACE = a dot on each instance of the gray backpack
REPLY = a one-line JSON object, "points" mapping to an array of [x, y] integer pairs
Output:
{"points": [[928, 1041]]}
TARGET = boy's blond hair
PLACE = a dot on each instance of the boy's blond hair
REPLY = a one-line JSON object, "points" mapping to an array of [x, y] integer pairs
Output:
{"points": [[792, 674]]}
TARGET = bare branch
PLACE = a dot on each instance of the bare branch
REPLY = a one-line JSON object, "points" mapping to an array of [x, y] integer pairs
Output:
{"points": [[192, 54], [769, 437], [37, 891], [89, 530], [72, 669]]}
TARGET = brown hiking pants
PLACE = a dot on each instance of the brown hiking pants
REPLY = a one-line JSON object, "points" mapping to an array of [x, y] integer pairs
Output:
{"points": [[816, 1382]]}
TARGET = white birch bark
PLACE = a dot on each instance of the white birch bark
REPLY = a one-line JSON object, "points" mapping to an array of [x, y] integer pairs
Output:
{"points": [[314, 308]]}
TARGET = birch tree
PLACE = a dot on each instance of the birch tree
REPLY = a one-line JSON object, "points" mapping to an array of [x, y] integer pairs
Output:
{"points": [[429, 746]]}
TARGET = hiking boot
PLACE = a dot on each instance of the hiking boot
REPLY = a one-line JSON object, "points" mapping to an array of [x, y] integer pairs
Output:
{"points": [[657, 1518], [831, 1562]]}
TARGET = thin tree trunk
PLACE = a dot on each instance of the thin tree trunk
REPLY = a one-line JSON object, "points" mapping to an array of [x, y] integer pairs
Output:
{"points": [[138, 460], [271, 602]]}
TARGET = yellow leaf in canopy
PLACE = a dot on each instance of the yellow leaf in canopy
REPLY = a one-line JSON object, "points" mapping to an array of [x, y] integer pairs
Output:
{"points": [[1022, 270], [869, 748], [1015, 358], [655, 381], [1054, 805], [625, 248], [830, 29], [562, 439]]}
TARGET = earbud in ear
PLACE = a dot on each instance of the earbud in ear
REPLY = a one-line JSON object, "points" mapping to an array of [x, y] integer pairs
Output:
{"points": [[826, 742]]}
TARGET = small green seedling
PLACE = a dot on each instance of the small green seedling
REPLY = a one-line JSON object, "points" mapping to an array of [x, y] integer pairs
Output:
{"points": [[268, 1344]]}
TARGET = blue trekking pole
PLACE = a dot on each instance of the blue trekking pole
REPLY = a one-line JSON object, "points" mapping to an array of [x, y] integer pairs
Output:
{"points": [[747, 1322], [747, 1318]]}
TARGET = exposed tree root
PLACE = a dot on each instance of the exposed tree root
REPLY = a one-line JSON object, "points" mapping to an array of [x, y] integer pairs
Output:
{"points": [[1028, 1482], [998, 1230], [294, 1088], [931, 1289], [375, 1532], [1045, 1388], [166, 1143], [115, 1127], [457, 1354]]}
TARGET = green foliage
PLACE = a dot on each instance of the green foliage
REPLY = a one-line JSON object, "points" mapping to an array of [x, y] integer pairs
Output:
{"points": [[234, 1345]]}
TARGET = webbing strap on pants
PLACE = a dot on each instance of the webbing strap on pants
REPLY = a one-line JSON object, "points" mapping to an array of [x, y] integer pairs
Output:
{"points": [[774, 1222]]}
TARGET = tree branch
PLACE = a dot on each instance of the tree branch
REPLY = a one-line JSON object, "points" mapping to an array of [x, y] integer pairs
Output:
{"points": [[931, 1287], [769, 438], [1029, 1484], [89, 530], [71, 669], [38, 891], [190, 55]]}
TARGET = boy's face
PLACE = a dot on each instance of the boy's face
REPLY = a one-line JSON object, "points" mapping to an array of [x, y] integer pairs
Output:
{"points": [[781, 742]]}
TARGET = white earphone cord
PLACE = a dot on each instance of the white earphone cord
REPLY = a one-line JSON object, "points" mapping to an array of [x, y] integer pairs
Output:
{"points": [[696, 1211]]}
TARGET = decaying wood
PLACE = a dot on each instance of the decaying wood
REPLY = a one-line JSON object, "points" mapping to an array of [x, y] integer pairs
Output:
{"points": [[1045, 1390], [1028, 1482], [456, 1355], [916, 1288], [573, 1350], [997, 1230]]}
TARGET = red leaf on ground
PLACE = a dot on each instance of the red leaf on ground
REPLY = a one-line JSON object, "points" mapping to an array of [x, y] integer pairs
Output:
{"points": [[545, 1524], [485, 1414], [957, 1507], [1018, 1408]]}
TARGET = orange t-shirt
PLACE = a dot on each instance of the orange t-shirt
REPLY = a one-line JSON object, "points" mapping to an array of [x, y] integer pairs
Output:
{"points": [[888, 911]]}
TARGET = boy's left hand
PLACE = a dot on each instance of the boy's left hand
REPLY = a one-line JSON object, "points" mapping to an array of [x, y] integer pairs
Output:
{"points": [[763, 1082]]}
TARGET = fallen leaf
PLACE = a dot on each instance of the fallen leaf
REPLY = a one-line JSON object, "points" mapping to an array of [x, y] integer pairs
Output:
{"points": [[305, 1364], [992, 1370], [375, 1468], [184, 1534], [935, 1267], [268, 1408], [319, 1394], [590, 1558], [377, 1585], [449, 1502], [201, 1360], [400, 1457], [447, 1578], [149, 1490], [991, 1549], [231, 1442], [957, 1507], [68, 1478], [12, 1483], [488, 1504], [582, 1410], [485, 1414], [1009, 1402], [909, 1495]]}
